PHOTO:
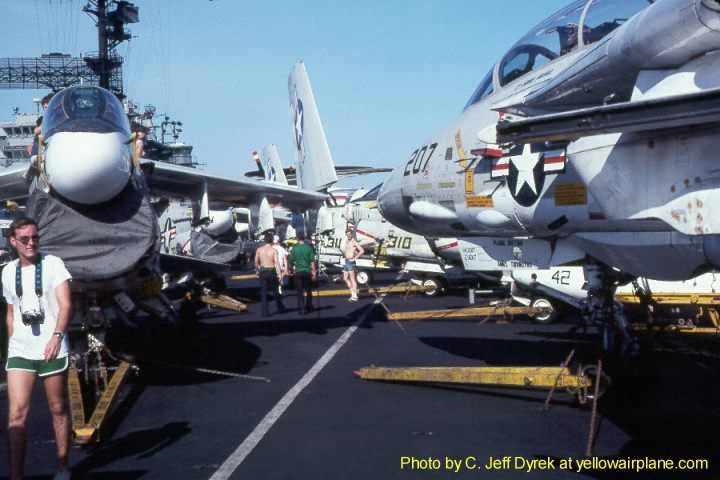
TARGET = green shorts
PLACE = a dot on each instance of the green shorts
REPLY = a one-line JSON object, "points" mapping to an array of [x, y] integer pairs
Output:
{"points": [[42, 368]]}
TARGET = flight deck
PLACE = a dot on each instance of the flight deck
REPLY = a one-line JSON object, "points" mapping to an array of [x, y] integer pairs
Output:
{"points": [[277, 398], [573, 196]]}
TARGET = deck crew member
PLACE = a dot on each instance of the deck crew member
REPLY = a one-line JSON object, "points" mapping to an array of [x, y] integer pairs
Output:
{"points": [[351, 251], [302, 263], [266, 261]]}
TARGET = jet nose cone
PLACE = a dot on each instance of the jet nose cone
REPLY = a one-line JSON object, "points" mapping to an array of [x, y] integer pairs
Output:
{"points": [[390, 201], [88, 168], [385, 198]]}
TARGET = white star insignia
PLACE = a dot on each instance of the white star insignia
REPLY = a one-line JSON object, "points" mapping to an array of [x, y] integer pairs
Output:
{"points": [[525, 165]]}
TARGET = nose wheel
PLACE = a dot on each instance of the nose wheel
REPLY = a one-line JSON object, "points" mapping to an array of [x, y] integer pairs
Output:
{"points": [[546, 313], [603, 310], [363, 277]]}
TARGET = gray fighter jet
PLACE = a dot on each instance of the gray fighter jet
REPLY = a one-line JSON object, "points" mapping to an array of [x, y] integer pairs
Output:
{"points": [[592, 140], [92, 196]]}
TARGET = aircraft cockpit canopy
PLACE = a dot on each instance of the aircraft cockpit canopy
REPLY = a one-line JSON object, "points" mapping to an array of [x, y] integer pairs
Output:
{"points": [[483, 90], [85, 109], [558, 35], [604, 16], [553, 38]]}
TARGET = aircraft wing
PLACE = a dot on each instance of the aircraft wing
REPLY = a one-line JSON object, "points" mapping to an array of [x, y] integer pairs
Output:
{"points": [[174, 179], [180, 264], [352, 170], [12, 183], [697, 108], [341, 170]]}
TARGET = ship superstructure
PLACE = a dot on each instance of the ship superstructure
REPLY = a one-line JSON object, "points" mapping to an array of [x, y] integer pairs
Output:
{"points": [[16, 138]]}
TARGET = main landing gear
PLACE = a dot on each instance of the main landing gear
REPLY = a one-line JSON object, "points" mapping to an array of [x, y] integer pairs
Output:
{"points": [[603, 310]]}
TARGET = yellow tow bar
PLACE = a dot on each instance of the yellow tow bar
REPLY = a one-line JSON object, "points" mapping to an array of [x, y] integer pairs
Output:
{"points": [[225, 302], [395, 289], [644, 327], [490, 311], [84, 433], [525, 377], [247, 276]]}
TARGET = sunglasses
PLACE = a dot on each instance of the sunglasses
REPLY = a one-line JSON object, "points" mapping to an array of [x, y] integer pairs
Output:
{"points": [[26, 240]]}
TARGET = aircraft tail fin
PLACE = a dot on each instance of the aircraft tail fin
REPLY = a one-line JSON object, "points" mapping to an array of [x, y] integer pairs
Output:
{"points": [[315, 165], [272, 166]]}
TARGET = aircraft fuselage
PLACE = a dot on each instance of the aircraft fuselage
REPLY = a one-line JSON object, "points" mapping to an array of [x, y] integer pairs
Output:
{"points": [[625, 197]]}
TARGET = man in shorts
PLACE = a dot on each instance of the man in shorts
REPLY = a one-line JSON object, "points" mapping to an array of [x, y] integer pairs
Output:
{"points": [[37, 290], [266, 262], [351, 251]]}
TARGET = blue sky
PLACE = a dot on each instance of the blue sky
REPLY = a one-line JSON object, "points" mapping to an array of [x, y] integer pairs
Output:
{"points": [[386, 74]]}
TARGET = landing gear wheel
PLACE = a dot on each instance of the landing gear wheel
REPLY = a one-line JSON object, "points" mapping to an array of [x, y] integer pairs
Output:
{"points": [[545, 311], [433, 287], [363, 277]]}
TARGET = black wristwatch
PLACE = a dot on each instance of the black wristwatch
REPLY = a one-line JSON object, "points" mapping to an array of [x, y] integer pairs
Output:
{"points": [[61, 335]]}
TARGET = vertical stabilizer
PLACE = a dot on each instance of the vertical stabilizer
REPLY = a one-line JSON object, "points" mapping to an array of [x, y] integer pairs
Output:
{"points": [[315, 166], [272, 166]]}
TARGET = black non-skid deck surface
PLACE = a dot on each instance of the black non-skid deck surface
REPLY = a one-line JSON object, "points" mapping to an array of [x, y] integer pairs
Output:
{"points": [[174, 422]]}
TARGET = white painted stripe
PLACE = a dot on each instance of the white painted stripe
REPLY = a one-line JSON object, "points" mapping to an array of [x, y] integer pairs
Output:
{"points": [[248, 445], [61, 369]]}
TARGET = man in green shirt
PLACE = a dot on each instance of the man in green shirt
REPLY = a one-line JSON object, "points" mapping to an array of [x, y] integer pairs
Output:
{"points": [[301, 262]]}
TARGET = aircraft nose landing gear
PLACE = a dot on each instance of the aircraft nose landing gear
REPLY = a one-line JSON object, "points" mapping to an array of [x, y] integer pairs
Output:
{"points": [[603, 310]]}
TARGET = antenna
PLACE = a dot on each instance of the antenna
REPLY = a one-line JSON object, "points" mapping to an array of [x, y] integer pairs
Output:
{"points": [[170, 127], [57, 70], [111, 33]]}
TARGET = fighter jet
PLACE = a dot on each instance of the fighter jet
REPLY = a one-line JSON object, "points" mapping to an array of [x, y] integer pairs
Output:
{"points": [[590, 141], [91, 195]]}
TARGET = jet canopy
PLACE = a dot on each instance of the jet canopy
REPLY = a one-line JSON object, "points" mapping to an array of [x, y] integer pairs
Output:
{"points": [[85, 109], [581, 23]]}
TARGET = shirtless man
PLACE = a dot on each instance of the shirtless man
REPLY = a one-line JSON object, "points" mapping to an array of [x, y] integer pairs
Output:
{"points": [[266, 262], [352, 251]]}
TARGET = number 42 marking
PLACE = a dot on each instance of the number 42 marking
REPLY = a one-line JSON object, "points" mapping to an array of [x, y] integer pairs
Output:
{"points": [[562, 277]]}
